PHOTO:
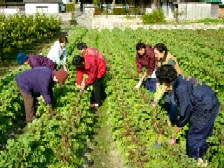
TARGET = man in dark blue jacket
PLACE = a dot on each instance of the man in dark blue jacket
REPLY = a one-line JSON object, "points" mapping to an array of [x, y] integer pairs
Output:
{"points": [[35, 81], [198, 105]]}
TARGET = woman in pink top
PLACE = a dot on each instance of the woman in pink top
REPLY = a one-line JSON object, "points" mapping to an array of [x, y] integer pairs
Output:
{"points": [[86, 50]]}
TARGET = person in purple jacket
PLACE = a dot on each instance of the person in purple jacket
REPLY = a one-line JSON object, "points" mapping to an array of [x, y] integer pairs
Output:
{"points": [[38, 81], [35, 61]]}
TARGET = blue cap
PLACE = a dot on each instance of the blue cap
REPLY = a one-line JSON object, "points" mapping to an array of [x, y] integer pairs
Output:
{"points": [[21, 58]]}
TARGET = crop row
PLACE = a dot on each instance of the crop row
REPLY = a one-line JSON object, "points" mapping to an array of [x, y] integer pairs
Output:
{"points": [[57, 137]]}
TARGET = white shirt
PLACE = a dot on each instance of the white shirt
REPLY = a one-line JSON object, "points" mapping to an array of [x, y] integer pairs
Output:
{"points": [[56, 52]]}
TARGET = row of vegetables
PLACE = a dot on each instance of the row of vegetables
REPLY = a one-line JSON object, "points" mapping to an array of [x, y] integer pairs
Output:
{"points": [[58, 137]]}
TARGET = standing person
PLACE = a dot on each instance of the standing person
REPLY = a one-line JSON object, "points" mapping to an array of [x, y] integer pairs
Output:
{"points": [[87, 50], [57, 52], [37, 81], [198, 105], [35, 61], [95, 68], [145, 57]]}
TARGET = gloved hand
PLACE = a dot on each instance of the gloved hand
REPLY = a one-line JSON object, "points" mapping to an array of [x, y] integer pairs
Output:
{"points": [[139, 84]]}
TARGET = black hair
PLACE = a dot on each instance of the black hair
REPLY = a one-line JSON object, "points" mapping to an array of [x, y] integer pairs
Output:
{"points": [[81, 46], [140, 45], [162, 47], [78, 60], [63, 39], [166, 73]]}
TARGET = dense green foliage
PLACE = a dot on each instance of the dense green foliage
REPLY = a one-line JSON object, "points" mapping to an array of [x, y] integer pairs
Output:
{"points": [[157, 16], [18, 31], [211, 20], [70, 7], [58, 137]]}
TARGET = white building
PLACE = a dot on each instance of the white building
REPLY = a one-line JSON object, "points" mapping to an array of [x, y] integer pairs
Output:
{"points": [[43, 6]]}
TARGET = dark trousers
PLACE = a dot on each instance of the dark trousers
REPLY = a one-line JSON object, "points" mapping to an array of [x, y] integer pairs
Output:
{"points": [[29, 103], [196, 140], [171, 106], [97, 91], [150, 84]]}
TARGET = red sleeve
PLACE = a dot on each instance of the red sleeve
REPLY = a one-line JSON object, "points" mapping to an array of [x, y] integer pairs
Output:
{"points": [[79, 76], [102, 68], [139, 65], [90, 51], [95, 52], [151, 66], [99, 54], [152, 61], [92, 75]]}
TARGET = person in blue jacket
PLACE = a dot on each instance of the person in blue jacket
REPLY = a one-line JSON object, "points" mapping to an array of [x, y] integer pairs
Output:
{"points": [[39, 80], [198, 105]]}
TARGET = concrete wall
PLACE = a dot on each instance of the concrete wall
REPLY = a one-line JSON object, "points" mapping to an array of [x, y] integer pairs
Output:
{"points": [[9, 10], [107, 21], [50, 8], [65, 17], [195, 11], [135, 22]]}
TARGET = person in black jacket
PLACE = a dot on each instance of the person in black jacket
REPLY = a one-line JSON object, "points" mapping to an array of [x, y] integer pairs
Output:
{"points": [[198, 105]]}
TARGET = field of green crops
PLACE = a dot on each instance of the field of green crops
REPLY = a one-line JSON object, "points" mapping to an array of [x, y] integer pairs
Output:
{"points": [[58, 138]]}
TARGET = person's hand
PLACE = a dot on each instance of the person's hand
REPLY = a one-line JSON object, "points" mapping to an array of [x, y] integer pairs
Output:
{"points": [[173, 142], [154, 103], [139, 84], [79, 86], [145, 75], [65, 68], [82, 88], [177, 129], [140, 76], [40, 99]]}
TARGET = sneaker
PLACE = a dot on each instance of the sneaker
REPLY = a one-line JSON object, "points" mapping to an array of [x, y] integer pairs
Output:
{"points": [[94, 106], [157, 145]]}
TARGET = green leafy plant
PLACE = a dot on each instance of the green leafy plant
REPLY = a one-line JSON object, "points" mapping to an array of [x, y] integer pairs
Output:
{"points": [[18, 31], [157, 16], [70, 7]]}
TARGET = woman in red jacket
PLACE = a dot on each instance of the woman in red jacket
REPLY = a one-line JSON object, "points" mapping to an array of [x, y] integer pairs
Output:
{"points": [[95, 68], [145, 57]]}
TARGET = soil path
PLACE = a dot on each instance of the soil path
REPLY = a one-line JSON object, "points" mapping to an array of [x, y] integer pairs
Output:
{"points": [[103, 151]]}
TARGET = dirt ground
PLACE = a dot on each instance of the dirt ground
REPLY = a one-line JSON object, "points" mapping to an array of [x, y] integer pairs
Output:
{"points": [[103, 151]]}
